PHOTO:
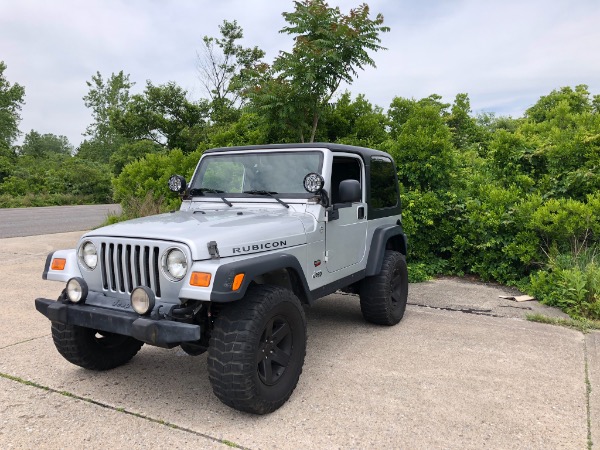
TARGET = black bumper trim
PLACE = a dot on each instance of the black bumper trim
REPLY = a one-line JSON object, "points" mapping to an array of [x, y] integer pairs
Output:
{"points": [[162, 333], [47, 265]]}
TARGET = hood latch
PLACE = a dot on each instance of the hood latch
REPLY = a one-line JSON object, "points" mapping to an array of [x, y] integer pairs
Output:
{"points": [[213, 250]]}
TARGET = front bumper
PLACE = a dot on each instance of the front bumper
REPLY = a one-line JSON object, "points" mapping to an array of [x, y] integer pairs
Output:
{"points": [[162, 333]]}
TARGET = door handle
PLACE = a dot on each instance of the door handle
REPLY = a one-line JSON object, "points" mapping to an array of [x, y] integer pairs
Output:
{"points": [[361, 212]]}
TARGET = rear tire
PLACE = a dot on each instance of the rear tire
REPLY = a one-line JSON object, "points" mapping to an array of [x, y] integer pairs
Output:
{"points": [[257, 350], [91, 349], [383, 297]]}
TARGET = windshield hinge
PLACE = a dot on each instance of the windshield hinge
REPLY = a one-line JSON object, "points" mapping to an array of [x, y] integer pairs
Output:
{"points": [[213, 250]]}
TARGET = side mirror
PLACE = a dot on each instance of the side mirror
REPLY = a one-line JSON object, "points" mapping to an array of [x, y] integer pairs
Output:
{"points": [[350, 191], [177, 184]]}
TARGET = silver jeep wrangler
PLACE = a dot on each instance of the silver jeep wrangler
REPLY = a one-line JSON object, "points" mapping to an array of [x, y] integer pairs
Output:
{"points": [[262, 232]]}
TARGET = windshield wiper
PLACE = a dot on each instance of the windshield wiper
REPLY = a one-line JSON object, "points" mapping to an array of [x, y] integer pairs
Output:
{"points": [[201, 191], [195, 191], [270, 194]]}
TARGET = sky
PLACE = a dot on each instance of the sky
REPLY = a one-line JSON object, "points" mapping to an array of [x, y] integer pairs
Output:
{"points": [[504, 53]]}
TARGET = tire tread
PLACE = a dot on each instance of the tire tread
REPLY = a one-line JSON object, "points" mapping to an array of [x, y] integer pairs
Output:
{"points": [[231, 357]]}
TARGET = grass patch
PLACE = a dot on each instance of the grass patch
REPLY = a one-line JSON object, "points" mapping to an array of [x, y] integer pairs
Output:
{"points": [[22, 381], [581, 324]]}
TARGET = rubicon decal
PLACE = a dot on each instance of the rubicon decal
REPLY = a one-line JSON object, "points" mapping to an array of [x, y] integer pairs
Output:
{"points": [[257, 247]]}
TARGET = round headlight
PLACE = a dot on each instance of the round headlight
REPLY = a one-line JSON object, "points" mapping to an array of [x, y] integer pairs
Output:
{"points": [[142, 300], [313, 182], [77, 290], [174, 264], [88, 255]]}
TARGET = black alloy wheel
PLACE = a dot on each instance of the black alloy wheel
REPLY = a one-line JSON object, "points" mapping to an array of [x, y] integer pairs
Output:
{"points": [[275, 350]]}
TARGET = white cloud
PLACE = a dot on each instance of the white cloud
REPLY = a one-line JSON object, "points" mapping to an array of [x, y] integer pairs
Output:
{"points": [[504, 54]]}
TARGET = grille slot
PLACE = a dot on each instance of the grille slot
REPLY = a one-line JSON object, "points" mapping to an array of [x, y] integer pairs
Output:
{"points": [[125, 266]]}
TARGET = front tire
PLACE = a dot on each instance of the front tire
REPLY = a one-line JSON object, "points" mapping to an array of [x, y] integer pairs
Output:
{"points": [[257, 350], [383, 297], [91, 349]]}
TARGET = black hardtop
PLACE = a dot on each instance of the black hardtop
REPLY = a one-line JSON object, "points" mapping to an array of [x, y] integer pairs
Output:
{"points": [[364, 152]]}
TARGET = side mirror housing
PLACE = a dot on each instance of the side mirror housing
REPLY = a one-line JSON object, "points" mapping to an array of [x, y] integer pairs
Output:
{"points": [[350, 191]]}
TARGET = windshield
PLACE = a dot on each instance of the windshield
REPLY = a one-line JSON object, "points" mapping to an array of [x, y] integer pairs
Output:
{"points": [[277, 172]]}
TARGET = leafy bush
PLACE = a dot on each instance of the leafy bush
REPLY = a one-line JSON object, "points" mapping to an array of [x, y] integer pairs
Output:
{"points": [[34, 200], [144, 182], [570, 281], [56, 177]]}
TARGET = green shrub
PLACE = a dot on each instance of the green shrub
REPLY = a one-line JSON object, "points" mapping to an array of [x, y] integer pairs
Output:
{"points": [[34, 200], [58, 177], [570, 281], [144, 182]]}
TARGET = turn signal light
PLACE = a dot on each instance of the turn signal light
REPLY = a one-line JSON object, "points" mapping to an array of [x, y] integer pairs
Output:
{"points": [[200, 279], [237, 281], [58, 264]]}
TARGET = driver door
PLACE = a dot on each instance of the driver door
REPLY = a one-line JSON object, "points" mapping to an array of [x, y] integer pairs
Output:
{"points": [[345, 237]]}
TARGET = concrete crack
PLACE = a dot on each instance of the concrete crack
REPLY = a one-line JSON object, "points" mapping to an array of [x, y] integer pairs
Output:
{"points": [[23, 342], [121, 410], [588, 393], [477, 312]]}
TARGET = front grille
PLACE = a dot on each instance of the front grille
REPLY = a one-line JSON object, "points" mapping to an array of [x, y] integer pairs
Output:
{"points": [[125, 267]]}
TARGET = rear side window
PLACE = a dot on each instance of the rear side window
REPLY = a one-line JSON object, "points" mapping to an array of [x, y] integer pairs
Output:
{"points": [[384, 189]]}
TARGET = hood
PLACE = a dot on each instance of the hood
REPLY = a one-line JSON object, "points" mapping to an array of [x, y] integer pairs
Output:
{"points": [[236, 232]]}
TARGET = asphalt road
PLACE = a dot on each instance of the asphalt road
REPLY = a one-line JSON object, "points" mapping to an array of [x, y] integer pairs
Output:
{"points": [[52, 219], [463, 370]]}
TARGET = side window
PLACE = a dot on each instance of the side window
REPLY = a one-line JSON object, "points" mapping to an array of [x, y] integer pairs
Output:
{"points": [[343, 168], [384, 189]]}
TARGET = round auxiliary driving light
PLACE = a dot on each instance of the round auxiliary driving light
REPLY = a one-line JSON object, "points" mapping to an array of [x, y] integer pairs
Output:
{"points": [[88, 255], [142, 300], [177, 184], [77, 290], [313, 182], [174, 264]]}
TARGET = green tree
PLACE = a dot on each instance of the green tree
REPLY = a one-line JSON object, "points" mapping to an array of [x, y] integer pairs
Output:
{"points": [[130, 152], [422, 146], [329, 48], [354, 122], [11, 102], [104, 98], [578, 101], [221, 65], [401, 109], [7, 162], [462, 125], [164, 115], [39, 145]]}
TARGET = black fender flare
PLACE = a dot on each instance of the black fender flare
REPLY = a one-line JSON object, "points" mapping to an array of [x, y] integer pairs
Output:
{"points": [[251, 268], [378, 246]]}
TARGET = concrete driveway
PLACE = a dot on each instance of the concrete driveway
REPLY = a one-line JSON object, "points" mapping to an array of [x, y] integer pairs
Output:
{"points": [[462, 370]]}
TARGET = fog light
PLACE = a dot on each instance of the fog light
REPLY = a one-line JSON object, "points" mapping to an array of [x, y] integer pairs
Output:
{"points": [[142, 300], [77, 290]]}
